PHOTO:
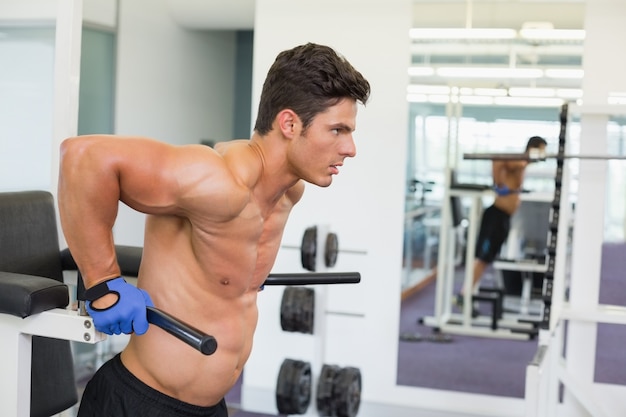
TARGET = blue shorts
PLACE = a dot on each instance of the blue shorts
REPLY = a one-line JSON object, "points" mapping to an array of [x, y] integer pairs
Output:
{"points": [[115, 392]]}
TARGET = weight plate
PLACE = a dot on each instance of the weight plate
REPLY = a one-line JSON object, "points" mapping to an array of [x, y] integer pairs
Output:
{"points": [[297, 310], [324, 398], [308, 248], [293, 388], [331, 250], [347, 392]]}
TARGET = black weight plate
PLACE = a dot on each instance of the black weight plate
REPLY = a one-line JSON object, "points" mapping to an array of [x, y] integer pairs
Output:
{"points": [[308, 248], [331, 250], [347, 392], [324, 398], [297, 310], [293, 388]]}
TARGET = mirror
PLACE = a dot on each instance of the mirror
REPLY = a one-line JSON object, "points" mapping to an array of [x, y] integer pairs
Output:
{"points": [[473, 90]]}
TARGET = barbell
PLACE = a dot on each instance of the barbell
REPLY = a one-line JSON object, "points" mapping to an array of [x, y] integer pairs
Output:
{"points": [[536, 157], [309, 249]]}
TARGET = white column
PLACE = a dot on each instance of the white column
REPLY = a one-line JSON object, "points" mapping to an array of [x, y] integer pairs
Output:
{"points": [[604, 72], [66, 82], [365, 203]]}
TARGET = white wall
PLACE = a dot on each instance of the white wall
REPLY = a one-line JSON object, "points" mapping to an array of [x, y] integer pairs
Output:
{"points": [[173, 84], [364, 205]]}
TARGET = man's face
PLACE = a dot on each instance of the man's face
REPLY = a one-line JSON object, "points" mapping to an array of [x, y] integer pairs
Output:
{"points": [[317, 154]]}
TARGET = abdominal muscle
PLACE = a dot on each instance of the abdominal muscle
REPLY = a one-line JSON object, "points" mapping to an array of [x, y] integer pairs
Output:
{"points": [[220, 304]]}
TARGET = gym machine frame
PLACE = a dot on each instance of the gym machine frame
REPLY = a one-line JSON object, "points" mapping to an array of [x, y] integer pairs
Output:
{"points": [[15, 350], [548, 369], [500, 324]]}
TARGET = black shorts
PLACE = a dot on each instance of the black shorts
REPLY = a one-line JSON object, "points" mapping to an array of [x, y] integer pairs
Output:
{"points": [[115, 392], [494, 229]]}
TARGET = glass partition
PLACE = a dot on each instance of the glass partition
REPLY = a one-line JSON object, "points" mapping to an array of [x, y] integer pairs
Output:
{"points": [[26, 106]]}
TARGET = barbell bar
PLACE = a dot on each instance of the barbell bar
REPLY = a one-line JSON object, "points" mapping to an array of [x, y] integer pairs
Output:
{"points": [[197, 339], [354, 251], [538, 157], [309, 249], [312, 278]]}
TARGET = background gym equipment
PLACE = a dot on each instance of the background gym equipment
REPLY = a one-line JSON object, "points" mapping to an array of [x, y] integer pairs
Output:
{"points": [[535, 157], [293, 388], [297, 310], [338, 391], [303, 310], [444, 320], [309, 248], [35, 327], [313, 278], [297, 306], [549, 263]]}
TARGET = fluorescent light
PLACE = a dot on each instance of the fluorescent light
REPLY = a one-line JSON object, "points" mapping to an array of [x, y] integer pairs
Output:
{"points": [[428, 89], [462, 33], [489, 72], [515, 96], [616, 100], [617, 97], [537, 33], [416, 98], [552, 34], [569, 93], [492, 92], [570, 73], [440, 99], [497, 72], [485, 101], [476, 100], [481, 91], [531, 92], [528, 101], [421, 71]]}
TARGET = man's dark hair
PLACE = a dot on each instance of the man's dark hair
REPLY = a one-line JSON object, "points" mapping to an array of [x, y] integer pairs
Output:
{"points": [[308, 79], [535, 142]]}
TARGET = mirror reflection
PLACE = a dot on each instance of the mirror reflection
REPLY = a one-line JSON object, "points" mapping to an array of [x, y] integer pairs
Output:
{"points": [[482, 80]]}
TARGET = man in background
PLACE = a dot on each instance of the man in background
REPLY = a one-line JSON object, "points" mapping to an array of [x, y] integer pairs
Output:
{"points": [[508, 176]]}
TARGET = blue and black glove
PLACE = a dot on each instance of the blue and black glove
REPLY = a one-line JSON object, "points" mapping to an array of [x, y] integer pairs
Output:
{"points": [[126, 315]]}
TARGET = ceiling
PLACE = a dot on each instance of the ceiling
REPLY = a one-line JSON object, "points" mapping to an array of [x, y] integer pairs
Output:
{"points": [[438, 63], [239, 14], [564, 14], [435, 54]]}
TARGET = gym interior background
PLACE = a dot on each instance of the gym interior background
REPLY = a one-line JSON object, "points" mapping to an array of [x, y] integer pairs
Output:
{"points": [[190, 72]]}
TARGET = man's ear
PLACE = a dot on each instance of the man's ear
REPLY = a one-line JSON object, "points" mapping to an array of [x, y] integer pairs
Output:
{"points": [[288, 122]]}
